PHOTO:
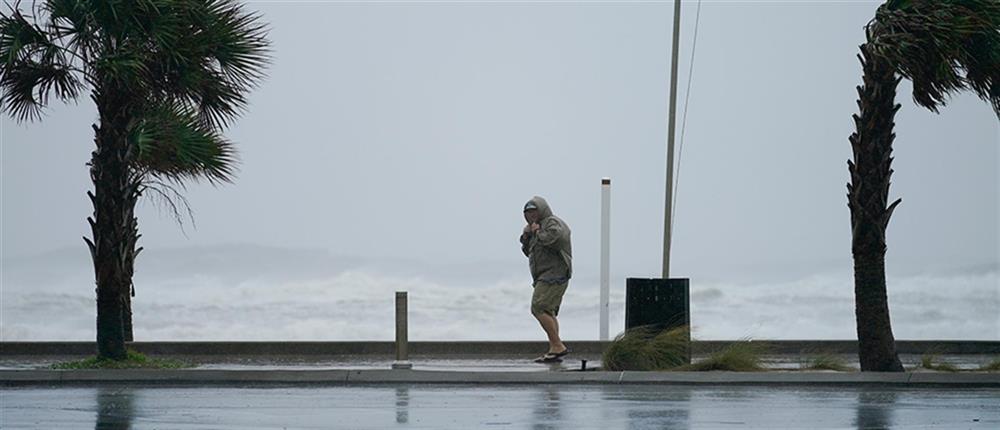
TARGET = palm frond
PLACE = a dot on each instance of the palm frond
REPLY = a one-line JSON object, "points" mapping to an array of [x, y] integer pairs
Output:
{"points": [[186, 65], [221, 56], [219, 101], [127, 69], [18, 37], [73, 21], [31, 68], [176, 145], [27, 85], [120, 20], [942, 46], [237, 42], [169, 196]]}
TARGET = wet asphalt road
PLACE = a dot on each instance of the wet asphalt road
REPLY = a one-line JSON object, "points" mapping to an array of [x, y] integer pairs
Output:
{"points": [[497, 407]]}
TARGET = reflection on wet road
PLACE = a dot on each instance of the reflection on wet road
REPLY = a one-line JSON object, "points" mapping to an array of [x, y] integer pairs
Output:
{"points": [[485, 406]]}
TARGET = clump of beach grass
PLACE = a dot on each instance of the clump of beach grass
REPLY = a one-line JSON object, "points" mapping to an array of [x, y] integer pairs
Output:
{"points": [[928, 361], [739, 356], [993, 366], [133, 360], [645, 348], [827, 361]]}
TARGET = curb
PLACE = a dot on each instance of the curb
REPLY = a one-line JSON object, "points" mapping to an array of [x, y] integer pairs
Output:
{"points": [[381, 376]]}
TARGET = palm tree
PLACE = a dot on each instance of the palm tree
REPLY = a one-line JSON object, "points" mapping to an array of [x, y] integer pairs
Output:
{"points": [[942, 46], [166, 76]]}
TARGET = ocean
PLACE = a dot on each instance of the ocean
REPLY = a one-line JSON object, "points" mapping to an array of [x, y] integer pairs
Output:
{"points": [[259, 293]]}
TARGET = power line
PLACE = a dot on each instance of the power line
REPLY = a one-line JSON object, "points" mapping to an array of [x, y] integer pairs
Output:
{"points": [[687, 97]]}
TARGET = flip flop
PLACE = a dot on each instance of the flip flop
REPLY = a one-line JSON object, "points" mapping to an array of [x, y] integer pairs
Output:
{"points": [[548, 358], [561, 354]]}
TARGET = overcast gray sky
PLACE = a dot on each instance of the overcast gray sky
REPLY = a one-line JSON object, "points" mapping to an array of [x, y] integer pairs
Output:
{"points": [[418, 130]]}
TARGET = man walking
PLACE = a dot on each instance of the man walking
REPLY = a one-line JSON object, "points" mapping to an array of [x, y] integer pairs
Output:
{"points": [[545, 241]]}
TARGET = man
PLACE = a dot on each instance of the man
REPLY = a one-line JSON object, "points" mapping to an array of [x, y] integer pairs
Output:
{"points": [[545, 241]]}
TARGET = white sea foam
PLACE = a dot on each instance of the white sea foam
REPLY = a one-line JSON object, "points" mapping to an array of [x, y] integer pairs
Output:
{"points": [[215, 298]]}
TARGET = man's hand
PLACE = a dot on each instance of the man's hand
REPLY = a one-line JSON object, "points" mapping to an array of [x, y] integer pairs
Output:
{"points": [[535, 227]]}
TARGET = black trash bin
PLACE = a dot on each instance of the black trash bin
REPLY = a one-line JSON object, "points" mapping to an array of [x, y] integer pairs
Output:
{"points": [[660, 303]]}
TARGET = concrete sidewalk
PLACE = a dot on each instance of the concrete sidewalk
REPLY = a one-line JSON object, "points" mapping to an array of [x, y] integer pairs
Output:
{"points": [[340, 363], [457, 362], [208, 377]]}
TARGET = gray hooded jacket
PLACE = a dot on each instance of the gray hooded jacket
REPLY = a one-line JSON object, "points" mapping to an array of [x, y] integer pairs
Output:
{"points": [[550, 256]]}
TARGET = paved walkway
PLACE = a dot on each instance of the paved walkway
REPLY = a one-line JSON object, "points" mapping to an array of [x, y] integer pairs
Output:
{"points": [[210, 377], [361, 369], [455, 362]]}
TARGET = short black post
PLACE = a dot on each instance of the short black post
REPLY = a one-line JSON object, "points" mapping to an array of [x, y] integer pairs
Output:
{"points": [[402, 336], [662, 304]]}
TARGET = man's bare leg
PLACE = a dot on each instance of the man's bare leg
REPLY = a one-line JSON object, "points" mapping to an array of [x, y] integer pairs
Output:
{"points": [[550, 324]]}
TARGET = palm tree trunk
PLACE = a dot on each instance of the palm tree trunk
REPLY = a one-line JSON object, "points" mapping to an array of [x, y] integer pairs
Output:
{"points": [[114, 226], [868, 195], [127, 318]]}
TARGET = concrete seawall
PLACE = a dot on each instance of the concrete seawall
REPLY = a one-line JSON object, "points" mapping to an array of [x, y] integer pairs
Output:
{"points": [[471, 348]]}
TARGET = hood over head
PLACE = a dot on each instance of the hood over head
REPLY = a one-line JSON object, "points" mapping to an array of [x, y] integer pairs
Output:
{"points": [[539, 203]]}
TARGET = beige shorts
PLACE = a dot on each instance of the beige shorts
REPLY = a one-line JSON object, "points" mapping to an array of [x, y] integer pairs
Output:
{"points": [[547, 297]]}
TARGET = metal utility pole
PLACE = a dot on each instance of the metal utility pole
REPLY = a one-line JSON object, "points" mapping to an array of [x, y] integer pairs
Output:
{"points": [[668, 211]]}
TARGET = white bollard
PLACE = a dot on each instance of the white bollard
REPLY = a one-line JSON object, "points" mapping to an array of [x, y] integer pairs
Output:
{"points": [[605, 253]]}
